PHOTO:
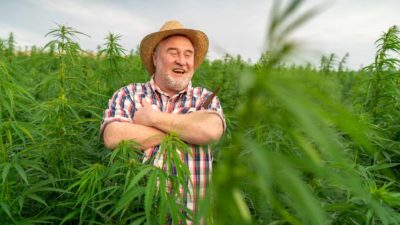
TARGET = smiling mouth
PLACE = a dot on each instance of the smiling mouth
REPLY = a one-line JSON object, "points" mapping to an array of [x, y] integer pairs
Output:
{"points": [[180, 71]]}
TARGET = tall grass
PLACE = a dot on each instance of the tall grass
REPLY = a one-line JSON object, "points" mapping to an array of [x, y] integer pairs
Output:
{"points": [[303, 145]]}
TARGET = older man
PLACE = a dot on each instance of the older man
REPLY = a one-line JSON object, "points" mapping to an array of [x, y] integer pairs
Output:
{"points": [[145, 112]]}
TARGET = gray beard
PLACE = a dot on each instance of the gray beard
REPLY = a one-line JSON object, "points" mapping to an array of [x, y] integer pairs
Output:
{"points": [[177, 84]]}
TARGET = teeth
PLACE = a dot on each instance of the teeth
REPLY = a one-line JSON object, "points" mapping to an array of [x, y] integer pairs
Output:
{"points": [[179, 71]]}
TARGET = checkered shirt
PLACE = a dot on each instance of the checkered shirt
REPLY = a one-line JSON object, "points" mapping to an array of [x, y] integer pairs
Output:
{"points": [[127, 100]]}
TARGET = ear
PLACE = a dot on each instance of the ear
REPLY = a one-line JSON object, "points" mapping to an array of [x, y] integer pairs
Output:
{"points": [[154, 58]]}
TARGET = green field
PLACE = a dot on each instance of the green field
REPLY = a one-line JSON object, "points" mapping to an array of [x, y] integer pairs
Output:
{"points": [[315, 144]]}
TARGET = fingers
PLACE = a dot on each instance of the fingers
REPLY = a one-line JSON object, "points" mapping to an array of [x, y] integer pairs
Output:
{"points": [[146, 102], [155, 107]]}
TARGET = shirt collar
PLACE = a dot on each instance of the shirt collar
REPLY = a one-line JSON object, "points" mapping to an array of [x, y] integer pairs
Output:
{"points": [[156, 88]]}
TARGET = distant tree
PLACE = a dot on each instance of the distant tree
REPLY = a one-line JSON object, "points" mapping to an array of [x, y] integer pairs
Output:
{"points": [[343, 62], [384, 71], [10, 45], [2, 47], [114, 52], [327, 63]]}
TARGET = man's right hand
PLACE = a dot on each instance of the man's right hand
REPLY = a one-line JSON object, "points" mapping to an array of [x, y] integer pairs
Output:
{"points": [[146, 114]]}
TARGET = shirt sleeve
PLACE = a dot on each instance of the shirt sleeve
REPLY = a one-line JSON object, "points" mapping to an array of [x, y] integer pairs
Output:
{"points": [[120, 108], [215, 108]]}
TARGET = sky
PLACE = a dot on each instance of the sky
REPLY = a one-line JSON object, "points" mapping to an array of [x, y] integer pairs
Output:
{"points": [[235, 27]]}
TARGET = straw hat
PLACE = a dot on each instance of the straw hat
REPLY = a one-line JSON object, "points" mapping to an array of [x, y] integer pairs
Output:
{"points": [[148, 44]]}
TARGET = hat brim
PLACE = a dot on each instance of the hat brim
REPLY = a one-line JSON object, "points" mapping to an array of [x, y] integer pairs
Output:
{"points": [[148, 44]]}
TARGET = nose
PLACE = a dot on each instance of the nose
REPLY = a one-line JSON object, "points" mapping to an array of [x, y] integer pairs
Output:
{"points": [[180, 59]]}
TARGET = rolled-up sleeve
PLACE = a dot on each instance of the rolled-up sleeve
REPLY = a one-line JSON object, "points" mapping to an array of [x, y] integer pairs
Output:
{"points": [[120, 108], [215, 108]]}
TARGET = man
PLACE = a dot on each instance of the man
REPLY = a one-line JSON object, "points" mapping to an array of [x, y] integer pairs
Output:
{"points": [[168, 103]]}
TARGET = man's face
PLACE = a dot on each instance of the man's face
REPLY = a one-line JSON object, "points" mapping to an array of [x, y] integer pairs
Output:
{"points": [[173, 60]]}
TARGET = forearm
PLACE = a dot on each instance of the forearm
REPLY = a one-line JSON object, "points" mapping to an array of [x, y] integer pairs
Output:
{"points": [[146, 136], [195, 128]]}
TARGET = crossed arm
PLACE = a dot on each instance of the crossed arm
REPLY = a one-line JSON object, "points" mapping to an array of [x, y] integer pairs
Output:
{"points": [[151, 125]]}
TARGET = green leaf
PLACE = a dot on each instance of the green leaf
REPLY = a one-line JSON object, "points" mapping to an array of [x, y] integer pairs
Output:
{"points": [[37, 198], [6, 209], [70, 216], [21, 172], [6, 170], [39, 220], [149, 195], [127, 198], [242, 206], [138, 221], [144, 171], [382, 166]]}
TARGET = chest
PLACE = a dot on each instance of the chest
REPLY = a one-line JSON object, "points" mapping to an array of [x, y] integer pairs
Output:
{"points": [[180, 104]]}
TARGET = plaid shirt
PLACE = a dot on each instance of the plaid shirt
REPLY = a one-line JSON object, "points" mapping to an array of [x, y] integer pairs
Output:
{"points": [[127, 100]]}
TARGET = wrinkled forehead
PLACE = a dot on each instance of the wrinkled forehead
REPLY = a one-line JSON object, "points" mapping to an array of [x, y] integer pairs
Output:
{"points": [[172, 38]]}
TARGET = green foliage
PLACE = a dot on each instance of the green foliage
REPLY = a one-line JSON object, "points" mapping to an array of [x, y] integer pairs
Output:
{"points": [[327, 63], [300, 147], [10, 47], [343, 62], [113, 52], [383, 73]]}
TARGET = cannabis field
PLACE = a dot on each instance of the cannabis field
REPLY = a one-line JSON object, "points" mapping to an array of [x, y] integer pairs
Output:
{"points": [[315, 144]]}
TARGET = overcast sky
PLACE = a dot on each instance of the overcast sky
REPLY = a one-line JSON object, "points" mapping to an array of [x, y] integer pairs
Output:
{"points": [[233, 26]]}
